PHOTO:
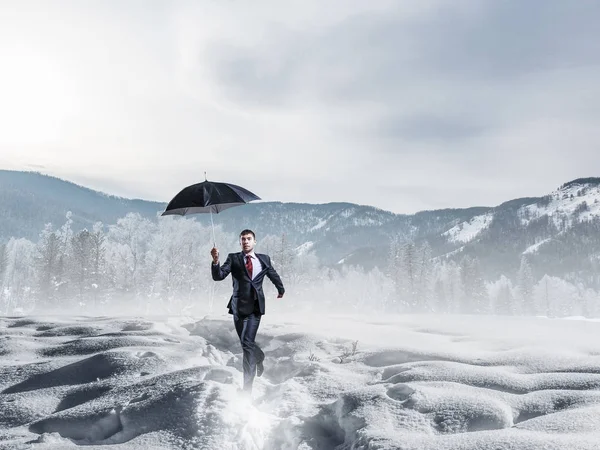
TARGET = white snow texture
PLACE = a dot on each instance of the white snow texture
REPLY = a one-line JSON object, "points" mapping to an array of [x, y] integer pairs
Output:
{"points": [[337, 382]]}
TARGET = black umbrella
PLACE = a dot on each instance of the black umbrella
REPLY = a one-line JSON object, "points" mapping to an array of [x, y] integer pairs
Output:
{"points": [[208, 197]]}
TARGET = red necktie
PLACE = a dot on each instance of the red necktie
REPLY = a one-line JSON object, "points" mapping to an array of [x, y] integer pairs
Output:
{"points": [[249, 265]]}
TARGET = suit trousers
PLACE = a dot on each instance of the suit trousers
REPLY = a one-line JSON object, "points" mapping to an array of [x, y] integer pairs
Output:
{"points": [[247, 327]]}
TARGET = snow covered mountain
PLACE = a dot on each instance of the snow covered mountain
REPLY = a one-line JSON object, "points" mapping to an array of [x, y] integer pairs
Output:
{"points": [[559, 233], [29, 200], [573, 203]]}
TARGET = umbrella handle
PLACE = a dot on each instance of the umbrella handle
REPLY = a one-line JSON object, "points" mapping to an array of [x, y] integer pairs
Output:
{"points": [[211, 219]]}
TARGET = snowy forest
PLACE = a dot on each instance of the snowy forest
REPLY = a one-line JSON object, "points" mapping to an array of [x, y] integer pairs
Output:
{"points": [[140, 266]]}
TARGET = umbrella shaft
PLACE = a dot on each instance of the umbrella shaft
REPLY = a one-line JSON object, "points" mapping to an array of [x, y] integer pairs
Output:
{"points": [[213, 229]]}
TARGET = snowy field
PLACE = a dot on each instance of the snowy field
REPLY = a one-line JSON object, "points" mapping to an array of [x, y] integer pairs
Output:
{"points": [[406, 382]]}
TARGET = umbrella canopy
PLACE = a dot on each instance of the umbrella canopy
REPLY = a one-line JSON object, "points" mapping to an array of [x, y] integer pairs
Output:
{"points": [[208, 197]]}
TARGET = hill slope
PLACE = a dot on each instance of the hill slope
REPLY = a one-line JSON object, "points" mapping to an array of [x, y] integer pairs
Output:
{"points": [[559, 233], [29, 200]]}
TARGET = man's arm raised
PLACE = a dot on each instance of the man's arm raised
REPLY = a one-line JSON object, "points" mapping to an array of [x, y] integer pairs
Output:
{"points": [[219, 272]]}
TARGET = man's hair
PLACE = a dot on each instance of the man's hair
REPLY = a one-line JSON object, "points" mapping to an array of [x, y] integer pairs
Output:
{"points": [[248, 232]]}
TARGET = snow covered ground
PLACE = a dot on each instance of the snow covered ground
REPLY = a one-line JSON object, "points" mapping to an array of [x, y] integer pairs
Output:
{"points": [[360, 382]]}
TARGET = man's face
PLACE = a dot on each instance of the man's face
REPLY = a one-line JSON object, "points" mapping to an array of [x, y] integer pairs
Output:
{"points": [[248, 242]]}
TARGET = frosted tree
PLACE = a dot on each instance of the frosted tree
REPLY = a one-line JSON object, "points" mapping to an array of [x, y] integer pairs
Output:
{"points": [[394, 271], [543, 293], [126, 249], [119, 270], [17, 293], [80, 244], [377, 291], [324, 293], [424, 279], [64, 235], [48, 260], [3, 260], [87, 264], [98, 262], [268, 244], [175, 254], [351, 289], [304, 272], [448, 287], [555, 297], [569, 301], [525, 285], [501, 293], [319, 287], [440, 298], [177, 266], [475, 300], [590, 303], [409, 269], [284, 258]]}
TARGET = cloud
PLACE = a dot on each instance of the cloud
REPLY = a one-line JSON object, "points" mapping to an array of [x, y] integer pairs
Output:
{"points": [[424, 127], [374, 52], [487, 88], [512, 38], [465, 102]]}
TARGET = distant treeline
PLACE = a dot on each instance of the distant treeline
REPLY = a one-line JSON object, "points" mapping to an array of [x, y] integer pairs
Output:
{"points": [[163, 265]]}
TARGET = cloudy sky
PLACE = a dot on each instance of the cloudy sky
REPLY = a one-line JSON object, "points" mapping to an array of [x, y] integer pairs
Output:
{"points": [[403, 105]]}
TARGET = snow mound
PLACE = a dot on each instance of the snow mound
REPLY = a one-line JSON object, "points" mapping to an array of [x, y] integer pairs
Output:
{"points": [[405, 382]]}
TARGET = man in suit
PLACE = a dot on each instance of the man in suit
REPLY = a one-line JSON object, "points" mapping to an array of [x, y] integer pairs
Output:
{"points": [[247, 304]]}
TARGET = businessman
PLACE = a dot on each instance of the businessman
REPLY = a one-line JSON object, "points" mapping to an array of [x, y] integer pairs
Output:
{"points": [[247, 304]]}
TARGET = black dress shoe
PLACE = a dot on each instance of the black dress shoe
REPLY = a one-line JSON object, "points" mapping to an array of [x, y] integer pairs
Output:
{"points": [[260, 368]]}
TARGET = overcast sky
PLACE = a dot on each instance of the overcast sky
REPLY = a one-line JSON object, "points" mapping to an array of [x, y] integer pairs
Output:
{"points": [[403, 105]]}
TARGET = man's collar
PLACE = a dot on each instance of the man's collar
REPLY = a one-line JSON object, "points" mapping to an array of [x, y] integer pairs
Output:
{"points": [[252, 254]]}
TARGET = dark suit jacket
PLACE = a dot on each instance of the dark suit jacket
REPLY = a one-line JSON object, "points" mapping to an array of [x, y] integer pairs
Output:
{"points": [[245, 290]]}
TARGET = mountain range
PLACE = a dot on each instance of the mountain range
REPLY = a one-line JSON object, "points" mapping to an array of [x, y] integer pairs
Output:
{"points": [[559, 233]]}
